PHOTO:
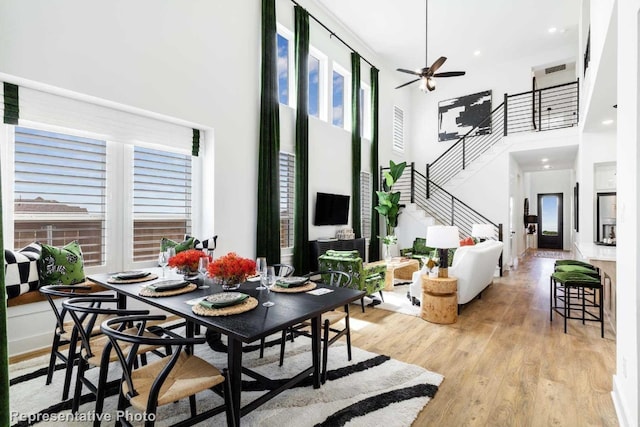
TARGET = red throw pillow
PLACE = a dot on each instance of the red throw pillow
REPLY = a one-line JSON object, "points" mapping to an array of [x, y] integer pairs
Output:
{"points": [[467, 242]]}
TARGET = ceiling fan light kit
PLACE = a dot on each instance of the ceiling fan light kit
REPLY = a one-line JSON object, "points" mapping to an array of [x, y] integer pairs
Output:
{"points": [[427, 74]]}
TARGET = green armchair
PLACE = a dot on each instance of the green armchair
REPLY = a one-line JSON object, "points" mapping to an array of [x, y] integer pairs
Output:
{"points": [[366, 278], [419, 250]]}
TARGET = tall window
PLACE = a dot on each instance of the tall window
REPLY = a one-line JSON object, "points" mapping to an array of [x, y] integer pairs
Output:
{"points": [[283, 69], [60, 183], [365, 203], [161, 199], [365, 111], [338, 100], [398, 128], [287, 189], [314, 86]]}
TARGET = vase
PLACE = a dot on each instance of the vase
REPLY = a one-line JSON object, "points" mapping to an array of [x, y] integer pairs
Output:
{"points": [[228, 283], [387, 252]]}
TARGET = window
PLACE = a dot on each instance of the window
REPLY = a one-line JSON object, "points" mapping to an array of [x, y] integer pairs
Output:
{"points": [[365, 111], [161, 199], [398, 128], [59, 191], [287, 190], [283, 69], [365, 203], [314, 86], [337, 111]]}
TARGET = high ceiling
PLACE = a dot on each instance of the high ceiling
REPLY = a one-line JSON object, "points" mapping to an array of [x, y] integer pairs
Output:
{"points": [[499, 29]]}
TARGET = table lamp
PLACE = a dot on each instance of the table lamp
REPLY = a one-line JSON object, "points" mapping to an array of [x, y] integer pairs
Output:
{"points": [[443, 237], [482, 231]]}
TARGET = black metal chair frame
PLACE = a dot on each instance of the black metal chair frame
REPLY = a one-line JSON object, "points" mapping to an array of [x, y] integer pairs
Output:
{"points": [[336, 278], [63, 291], [165, 338]]}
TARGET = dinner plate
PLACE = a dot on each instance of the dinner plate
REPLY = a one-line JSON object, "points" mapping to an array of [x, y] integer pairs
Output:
{"points": [[224, 299], [292, 281], [129, 275], [168, 285]]}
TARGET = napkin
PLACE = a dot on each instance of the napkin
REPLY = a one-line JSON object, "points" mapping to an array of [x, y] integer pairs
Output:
{"points": [[130, 275], [222, 304], [167, 285], [292, 282]]}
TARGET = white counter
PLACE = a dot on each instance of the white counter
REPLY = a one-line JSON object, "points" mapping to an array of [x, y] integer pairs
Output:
{"points": [[591, 251]]}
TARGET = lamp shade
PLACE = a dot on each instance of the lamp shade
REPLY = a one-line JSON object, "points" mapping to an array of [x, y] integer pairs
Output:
{"points": [[482, 231], [531, 219], [443, 237]]}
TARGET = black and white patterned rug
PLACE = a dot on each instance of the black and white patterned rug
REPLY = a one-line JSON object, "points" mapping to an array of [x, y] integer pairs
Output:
{"points": [[370, 390]]}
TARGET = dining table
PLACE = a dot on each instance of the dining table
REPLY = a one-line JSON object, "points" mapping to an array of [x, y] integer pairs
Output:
{"points": [[289, 309]]}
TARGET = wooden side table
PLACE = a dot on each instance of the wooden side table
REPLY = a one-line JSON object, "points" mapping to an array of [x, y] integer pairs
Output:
{"points": [[399, 268], [439, 299]]}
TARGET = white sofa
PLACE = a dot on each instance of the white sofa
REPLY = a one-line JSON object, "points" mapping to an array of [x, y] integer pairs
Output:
{"points": [[473, 266]]}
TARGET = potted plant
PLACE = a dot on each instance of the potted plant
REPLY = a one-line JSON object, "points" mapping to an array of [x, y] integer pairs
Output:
{"points": [[389, 203]]}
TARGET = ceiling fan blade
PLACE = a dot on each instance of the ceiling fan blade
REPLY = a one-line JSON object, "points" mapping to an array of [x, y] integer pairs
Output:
{"points": [[415, 73], [450, 74], [407, 83], [434, 67]]}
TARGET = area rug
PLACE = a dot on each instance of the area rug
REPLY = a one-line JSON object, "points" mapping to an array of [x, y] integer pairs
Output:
{"points": [[397, 301], [371, 389]]}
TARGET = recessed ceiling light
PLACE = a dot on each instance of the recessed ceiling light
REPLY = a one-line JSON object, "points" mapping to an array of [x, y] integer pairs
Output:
{"points": [[552, 30], [607, 121], [476, 53], [545, 160], [547, 166]]}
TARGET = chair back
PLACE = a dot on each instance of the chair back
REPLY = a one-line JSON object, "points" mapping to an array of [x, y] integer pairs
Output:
{"points": [[284, 270], [121, 338], [331, 278], [85, 311], [64, 291]]}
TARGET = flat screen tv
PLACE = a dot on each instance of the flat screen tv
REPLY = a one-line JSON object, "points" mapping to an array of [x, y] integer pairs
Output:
{"points": [[331, 209]]}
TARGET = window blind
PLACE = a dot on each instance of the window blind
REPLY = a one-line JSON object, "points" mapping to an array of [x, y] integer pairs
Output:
{"points": [[365, 203], [398, 128], [287, 190], [161, 199], [60, 183]]}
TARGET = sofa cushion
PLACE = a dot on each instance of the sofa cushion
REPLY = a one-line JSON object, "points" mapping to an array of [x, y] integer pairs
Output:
{"points": [[21, 270], [61, 266], [467, 242], [343, 254], [166, 243], [208, 244]]}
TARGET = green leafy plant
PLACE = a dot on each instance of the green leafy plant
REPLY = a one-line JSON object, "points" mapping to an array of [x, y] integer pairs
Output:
{"points": [[389, 200]]}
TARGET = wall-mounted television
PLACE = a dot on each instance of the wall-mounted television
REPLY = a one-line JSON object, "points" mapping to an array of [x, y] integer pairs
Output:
{"points": [[331, 209]]}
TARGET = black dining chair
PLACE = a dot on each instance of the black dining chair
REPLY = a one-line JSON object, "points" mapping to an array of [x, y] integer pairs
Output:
{"points": [[328, 321], [88, 313], [62, 334], [167, 380]]}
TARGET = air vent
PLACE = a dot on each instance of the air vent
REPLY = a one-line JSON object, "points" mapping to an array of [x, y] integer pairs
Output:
{"points": [[555, 69]]}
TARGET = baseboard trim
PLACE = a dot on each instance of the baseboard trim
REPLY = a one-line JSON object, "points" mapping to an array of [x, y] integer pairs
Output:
{"points": [[618, 403]]}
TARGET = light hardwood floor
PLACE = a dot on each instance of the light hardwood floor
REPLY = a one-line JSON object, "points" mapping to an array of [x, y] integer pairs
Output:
{"points": [[504, 363]]}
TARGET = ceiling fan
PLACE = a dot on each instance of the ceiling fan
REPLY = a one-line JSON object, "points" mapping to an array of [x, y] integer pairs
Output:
{"points": [[427, 74]]}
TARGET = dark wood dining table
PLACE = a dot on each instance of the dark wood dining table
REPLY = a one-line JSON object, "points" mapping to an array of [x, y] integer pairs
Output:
{"points": [[289, 309]]}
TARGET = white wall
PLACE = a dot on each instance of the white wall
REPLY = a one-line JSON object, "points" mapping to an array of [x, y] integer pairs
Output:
{"points": [[625, 381]]}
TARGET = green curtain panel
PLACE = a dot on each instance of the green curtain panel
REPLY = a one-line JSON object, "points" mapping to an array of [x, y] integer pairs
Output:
{"points": [[374, 245], [11, 104], [356, 144], [4, 354], [195, 147], [268, 228], [301, 249]]}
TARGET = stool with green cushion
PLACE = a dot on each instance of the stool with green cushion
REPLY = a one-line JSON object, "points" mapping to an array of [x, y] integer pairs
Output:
{"points": [[365, 278], [571, 291], [573, 262], [577, 269]]}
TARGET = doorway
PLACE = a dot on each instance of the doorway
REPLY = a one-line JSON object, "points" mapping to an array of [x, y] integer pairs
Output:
{"points": [[550, 223]]}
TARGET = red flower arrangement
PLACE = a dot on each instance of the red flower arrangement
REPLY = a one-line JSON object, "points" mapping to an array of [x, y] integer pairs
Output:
{"points": [[232, 268], [187, 261]]}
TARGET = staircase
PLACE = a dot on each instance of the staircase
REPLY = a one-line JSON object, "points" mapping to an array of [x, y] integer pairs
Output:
{"points": [[534, 111]]}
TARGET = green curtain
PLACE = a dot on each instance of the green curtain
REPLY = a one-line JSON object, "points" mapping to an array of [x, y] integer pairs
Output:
{"points": [[4, 354], [356, 144], [195, 147], [268, 227], [374, 245], [11, 105], [301, 250]]}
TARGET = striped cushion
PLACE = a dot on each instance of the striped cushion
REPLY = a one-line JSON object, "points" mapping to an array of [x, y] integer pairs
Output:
{"points": [[21, 270]]}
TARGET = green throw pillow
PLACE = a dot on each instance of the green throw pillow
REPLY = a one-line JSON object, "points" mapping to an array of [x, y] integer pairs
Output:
{"points": [[61, 266], [165, 244]]}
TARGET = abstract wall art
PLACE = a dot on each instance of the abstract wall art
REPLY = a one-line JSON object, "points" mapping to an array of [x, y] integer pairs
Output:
{"points": [[458, 116]]}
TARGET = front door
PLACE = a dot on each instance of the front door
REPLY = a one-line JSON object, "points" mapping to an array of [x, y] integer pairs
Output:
{"points": [[550, 221]]}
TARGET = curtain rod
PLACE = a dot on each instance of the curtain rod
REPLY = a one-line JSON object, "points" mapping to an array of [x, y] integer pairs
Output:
{"points": [[332, 34]]}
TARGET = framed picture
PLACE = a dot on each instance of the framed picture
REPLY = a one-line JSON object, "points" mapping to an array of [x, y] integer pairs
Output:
{"points": [[458, 116]]}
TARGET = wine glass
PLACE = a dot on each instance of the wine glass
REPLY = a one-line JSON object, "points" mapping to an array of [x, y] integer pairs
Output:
{"points": [[271, 280], [162, 261], [261, 266], [203, 265], [170, 253]]}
